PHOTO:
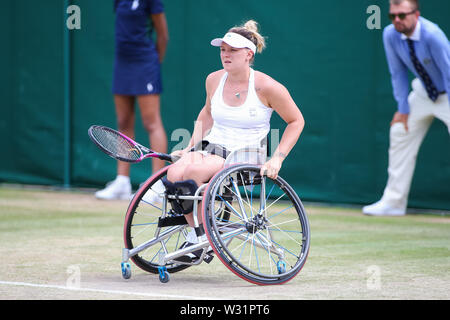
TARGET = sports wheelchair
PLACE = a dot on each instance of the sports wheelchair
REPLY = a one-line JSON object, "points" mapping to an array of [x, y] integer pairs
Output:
{"points": [[255, 225]]}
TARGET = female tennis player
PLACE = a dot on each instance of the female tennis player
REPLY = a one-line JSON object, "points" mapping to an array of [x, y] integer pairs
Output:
{"points": [[137, 77], [237, 112]]}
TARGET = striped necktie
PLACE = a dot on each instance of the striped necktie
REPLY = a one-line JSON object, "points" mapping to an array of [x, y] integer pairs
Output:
{"points": [[429, 86]]}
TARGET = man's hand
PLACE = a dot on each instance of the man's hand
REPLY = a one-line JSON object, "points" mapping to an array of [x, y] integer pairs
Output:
{"points": [[400, 117]]}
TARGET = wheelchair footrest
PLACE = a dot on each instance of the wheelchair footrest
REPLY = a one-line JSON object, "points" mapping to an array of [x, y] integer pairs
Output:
{"points": [[208, 258]]}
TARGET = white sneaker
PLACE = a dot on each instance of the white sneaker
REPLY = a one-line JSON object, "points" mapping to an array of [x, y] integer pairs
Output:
{"points": [[155, 194], [118, 189], [381, 209]]}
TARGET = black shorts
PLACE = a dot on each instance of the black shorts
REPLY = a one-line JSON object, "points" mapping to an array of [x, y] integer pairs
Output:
{"points": [[211, 148]]}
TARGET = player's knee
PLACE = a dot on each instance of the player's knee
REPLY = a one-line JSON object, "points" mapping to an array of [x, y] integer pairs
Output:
{"points": [[191, 172], [175, 173]]}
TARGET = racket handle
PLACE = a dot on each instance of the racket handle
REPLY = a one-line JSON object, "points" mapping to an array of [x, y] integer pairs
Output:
{"points": [[166, 157]]}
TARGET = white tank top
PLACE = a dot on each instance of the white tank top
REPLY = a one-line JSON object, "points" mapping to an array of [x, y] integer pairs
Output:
{"points": [[240, 126]]}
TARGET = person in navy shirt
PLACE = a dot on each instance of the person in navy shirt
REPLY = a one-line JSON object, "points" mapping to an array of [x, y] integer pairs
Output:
{"points": [[137, 77], [416, 44]]}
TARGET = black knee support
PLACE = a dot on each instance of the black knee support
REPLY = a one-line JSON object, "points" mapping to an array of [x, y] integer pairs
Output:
{"points": [[181, 188]]}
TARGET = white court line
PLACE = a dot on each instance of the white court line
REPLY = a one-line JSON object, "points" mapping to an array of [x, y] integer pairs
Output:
{"points": [[151, 295]]}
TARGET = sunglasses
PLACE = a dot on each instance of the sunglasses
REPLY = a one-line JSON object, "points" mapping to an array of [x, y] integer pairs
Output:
{"points": [[401, 16]]}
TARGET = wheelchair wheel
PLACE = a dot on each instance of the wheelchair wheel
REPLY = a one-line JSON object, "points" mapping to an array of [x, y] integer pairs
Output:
{"points": [[257, 226], [142, 224]]}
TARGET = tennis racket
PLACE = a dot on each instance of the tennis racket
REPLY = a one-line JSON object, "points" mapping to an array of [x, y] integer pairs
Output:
{"points": [[121, 147]]}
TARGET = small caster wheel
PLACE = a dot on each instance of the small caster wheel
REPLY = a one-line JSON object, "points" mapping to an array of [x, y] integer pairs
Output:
{"points": [[165, 277], [281, 266], [163, 274], [126, 270]]}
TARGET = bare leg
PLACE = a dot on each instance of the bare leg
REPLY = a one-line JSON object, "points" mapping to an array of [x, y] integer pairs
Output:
{"points": [[195, 166], [125, 121], [151, 118]]}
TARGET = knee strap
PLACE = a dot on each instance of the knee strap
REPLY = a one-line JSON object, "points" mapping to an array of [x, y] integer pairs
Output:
{"points": [[181, 188]]}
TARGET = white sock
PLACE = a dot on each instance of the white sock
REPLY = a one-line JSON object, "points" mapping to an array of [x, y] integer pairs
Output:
{"points": [[192, 236]]}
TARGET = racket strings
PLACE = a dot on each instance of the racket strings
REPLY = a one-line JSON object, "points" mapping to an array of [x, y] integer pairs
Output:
{"points": [[117, 145]]}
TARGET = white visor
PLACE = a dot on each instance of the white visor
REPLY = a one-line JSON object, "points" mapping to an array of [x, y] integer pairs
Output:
{"points": [[235, 40]]}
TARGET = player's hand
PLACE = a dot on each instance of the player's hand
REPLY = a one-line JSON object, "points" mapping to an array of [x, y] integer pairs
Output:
{"points": [[272, 167], [402, 118], [177, 154]]}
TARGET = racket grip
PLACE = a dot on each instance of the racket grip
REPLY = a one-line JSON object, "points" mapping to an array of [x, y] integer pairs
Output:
{"points": [[166, 157]]}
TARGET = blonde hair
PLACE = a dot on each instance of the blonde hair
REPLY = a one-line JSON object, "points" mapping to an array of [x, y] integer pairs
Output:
{"points": [[250, 31]]}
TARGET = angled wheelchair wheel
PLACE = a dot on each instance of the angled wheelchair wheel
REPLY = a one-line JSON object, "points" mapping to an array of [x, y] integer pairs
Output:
{"points": [[257, 226], [143, 227]]}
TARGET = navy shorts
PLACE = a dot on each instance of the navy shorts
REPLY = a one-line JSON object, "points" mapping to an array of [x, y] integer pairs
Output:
{"points": [[137, 74]]}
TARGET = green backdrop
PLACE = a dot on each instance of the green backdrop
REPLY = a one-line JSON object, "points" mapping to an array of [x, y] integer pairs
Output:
{"points": [[57, 82]]}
